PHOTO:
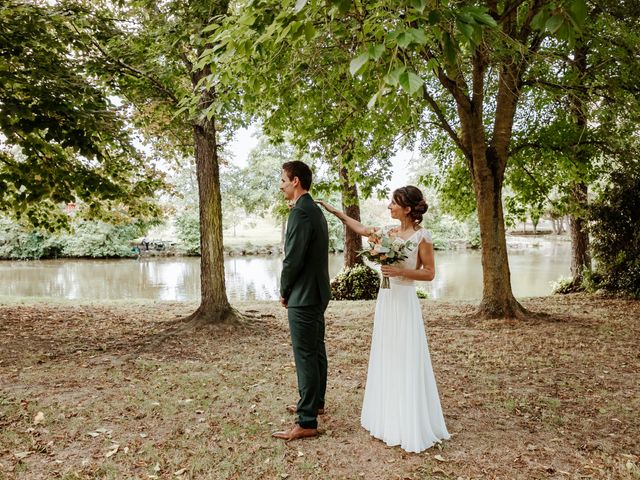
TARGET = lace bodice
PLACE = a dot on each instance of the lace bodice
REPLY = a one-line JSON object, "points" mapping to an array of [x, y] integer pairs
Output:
{"points": [[412, 254]]}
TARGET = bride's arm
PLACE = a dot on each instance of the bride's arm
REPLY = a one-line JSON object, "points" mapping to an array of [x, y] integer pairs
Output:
{"points": [[426, 270], [351, 223]]}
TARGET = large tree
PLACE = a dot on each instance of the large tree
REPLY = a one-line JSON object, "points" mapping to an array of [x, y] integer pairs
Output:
{"points": [[150, 53]]}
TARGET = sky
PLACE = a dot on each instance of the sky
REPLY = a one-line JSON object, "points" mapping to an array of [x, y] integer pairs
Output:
{"points": [[245, 140]]}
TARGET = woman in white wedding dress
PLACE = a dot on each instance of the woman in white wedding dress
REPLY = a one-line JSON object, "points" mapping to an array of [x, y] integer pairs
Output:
{"points": [[401, 403]]}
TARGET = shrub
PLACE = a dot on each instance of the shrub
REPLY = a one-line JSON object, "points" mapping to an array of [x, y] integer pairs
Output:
{"points": [[356, 283], [445, 228], [615, 230], [100, 240], [88, 239], [565, 285], [22, 243]]}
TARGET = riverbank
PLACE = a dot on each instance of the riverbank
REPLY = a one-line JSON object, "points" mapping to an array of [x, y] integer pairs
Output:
{"points": [[250, 245], [94, 390]]}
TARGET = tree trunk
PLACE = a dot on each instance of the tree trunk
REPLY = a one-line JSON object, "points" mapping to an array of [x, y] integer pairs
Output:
{"points": [[214, 305], [350, 206], [580, 258], [497, 298]]}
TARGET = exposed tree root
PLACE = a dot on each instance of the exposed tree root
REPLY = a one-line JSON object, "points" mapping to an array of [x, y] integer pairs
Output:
{"points": [[205, 317], [512, 309], [209, 315]]}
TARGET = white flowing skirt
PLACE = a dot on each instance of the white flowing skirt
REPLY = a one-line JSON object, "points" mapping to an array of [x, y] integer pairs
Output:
{"points": [[401, 403]]}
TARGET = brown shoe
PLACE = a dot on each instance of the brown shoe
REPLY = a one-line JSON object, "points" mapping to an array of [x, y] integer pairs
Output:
{"points": [[295, 433], [294, 409]]}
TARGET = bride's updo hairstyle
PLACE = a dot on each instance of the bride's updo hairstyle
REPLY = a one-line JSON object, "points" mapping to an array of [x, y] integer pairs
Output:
{"points": [[411, 197]]}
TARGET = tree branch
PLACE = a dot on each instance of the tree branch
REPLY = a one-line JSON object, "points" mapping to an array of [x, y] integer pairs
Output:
{"points": [[132, 70], [444, 124], [509, 10], [541, 190], [453, 86], [564, 88]]}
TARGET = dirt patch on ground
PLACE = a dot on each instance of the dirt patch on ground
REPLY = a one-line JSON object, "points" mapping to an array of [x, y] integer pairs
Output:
{"points": [[101, 391]]}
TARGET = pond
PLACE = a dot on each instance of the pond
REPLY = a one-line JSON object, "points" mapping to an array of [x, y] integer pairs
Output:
{"points": [[534, 266]]}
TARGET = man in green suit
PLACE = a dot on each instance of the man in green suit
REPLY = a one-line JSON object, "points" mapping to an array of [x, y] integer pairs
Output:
{"points": [[305, 292]]}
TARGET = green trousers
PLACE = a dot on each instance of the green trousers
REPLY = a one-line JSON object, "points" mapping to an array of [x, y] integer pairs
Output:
{"points": [[306, 325]]}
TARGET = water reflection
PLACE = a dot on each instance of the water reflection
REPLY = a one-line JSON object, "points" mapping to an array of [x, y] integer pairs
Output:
{"points": [[459, 276]]}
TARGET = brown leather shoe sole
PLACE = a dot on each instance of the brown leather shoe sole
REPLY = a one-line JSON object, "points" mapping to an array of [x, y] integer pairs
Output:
{"points": [[296, 433], [294, 409]]}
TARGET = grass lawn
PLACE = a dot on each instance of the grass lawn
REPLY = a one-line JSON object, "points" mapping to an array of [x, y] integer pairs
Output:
{"points": [[257, 232], [99, 390]]}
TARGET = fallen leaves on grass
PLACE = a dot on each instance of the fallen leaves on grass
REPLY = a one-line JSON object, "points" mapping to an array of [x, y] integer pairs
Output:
{"points": [[553, 397]]}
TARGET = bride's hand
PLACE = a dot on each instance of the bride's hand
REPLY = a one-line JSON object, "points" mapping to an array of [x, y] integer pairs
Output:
{"points": [[391, 271], [327, 207]]}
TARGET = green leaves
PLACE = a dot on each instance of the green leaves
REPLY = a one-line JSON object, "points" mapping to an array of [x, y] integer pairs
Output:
{"points": [[578, 11], [470, 21], [343, 6], [554, 23], [309, 31], [299, 5], [393, 77], [373, 52], [358, 63], [411, 36], [407, 80], [67, 141], [376, 51], [563, 22], [410, 82]]}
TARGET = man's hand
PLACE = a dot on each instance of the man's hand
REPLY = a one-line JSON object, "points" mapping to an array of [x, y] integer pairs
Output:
{"points": [[283, 302]]}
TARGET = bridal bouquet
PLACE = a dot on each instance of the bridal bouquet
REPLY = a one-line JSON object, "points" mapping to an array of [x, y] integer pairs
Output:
{"points": [[386, 249]]}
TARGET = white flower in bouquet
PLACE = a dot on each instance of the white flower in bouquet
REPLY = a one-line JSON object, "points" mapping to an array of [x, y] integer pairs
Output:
{"points": [[386, 249]]}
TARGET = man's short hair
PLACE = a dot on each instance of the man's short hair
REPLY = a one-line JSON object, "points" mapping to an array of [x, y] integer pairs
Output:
{"points": [[301, 170]]}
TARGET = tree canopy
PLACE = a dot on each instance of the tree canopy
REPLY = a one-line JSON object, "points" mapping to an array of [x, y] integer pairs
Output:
{"points": [[64, 140]]}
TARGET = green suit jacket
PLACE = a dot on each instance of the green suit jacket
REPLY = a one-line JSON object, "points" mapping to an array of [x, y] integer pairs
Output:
{"points": [[305, 269]]}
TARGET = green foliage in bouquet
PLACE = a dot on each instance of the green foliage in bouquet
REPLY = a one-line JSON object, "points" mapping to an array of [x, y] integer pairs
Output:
{"points": [[386, 249], [356, 283]]}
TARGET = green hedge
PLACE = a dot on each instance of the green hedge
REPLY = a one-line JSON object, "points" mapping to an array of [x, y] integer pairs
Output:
{"points": [[88, 239]]}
